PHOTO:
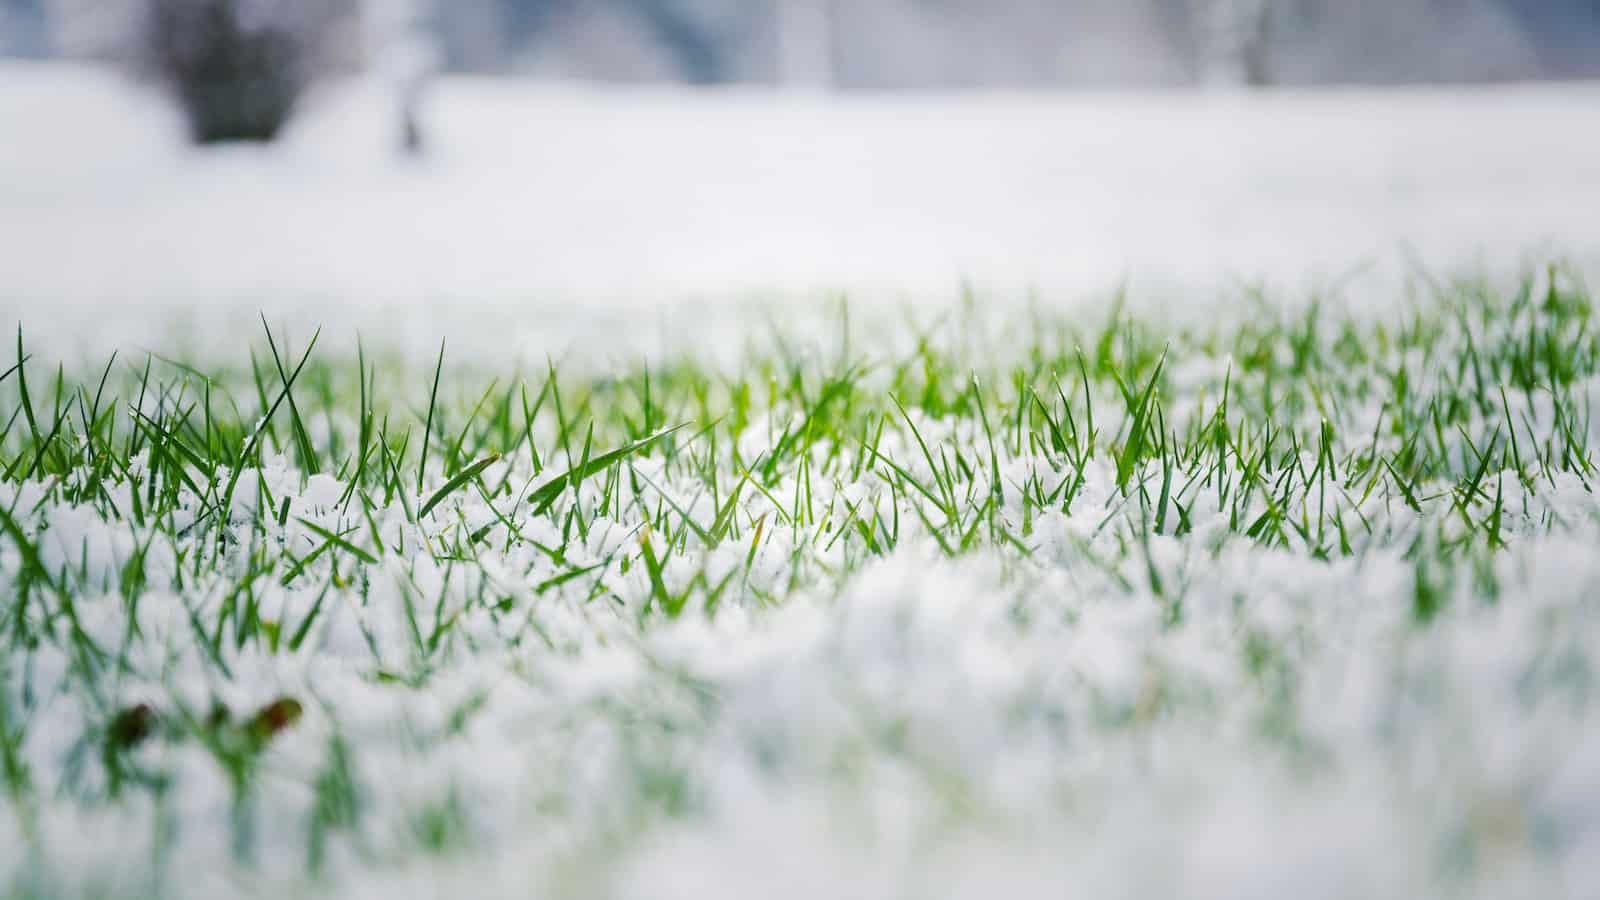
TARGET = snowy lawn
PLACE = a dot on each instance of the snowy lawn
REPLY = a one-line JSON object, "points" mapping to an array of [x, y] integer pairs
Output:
{"points": [[1198, 590], [1300, 602]]}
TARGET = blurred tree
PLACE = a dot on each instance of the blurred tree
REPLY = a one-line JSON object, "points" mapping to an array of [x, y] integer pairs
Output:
{"points": [[23, 30], [804, 31], [403, 49], [1565, 35], [1237, 41], [696, 35], [471, 35], [689, 37], [1399, 41], [238, 67]]}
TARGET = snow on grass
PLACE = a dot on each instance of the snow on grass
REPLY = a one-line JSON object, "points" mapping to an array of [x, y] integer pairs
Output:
{"points": [[1300, 601]]}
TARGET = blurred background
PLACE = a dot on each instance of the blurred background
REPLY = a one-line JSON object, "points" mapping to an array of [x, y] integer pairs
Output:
{"points": [[905, 44], [428, 166]]}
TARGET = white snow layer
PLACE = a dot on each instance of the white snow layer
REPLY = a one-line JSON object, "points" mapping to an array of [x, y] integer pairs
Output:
{"points": [[546, 217]]}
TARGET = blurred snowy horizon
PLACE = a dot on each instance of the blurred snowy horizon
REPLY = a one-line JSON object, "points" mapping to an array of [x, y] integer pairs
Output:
{"points": [[544, 217]]}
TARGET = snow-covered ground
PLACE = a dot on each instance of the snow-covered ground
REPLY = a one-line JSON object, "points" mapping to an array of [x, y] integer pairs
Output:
{"points": [[545, 215]]}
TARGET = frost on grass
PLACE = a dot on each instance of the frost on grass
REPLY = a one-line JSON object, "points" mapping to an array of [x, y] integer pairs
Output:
{"points": [[1303, 603]]}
